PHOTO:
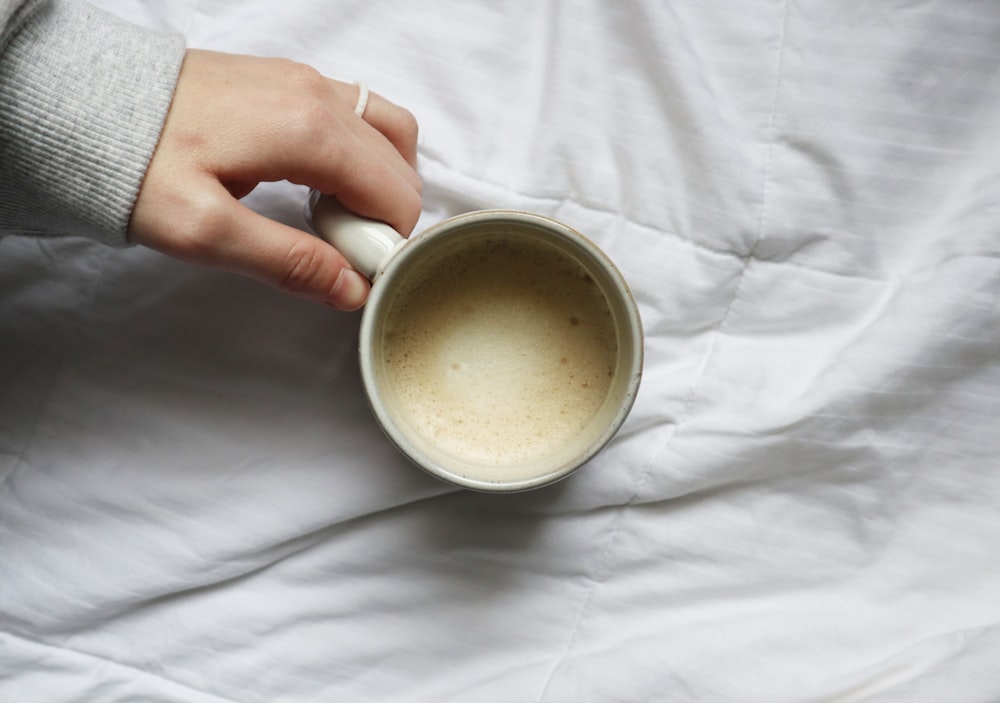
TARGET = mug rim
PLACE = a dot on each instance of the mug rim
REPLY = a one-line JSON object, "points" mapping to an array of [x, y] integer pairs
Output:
{"points": [[399, 437]]}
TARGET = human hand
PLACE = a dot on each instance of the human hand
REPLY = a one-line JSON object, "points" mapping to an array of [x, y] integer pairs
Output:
{"points": [[236, 121]]}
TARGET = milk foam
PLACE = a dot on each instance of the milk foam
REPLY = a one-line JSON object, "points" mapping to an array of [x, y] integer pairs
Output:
{"points": [[500, 353]]}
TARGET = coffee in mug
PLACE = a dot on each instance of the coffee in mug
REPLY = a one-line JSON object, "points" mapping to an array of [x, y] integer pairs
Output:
{"points": [[500, 350]]}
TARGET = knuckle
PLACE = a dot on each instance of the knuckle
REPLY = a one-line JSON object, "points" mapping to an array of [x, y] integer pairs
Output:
{"points": [[306, 115], [201, 229], [302, 76], [406, 126], [402, 130], [309, 120], [409, 212], [303, 268]]}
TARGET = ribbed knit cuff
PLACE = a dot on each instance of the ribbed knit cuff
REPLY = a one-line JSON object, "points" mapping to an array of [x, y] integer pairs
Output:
{"points": [[83, 97]]}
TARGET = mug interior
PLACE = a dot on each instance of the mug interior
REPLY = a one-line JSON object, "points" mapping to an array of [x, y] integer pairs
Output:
{"points": [[445, 242]]}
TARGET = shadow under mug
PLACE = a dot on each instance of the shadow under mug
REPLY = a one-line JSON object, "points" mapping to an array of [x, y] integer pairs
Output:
{"points": [[500, 350]]}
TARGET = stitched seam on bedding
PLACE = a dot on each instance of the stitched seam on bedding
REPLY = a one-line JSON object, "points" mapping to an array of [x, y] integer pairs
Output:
{"points": [[604, 210], [115, 662], [748, 257], [685, 411]]}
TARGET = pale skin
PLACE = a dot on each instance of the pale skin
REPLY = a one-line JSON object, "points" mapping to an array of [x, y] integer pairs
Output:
{"points": [[237, 121]]}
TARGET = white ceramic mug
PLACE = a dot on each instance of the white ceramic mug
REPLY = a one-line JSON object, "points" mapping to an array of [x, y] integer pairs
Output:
{"points": [[500, 350]]}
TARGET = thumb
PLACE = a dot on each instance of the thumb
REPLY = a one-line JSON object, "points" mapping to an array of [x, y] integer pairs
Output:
{"points": [[235, 238], [286, 258], [199, 221]]}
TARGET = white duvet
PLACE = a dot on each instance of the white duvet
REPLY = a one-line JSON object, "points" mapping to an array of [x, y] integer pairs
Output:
{"points": [[196, 505]]}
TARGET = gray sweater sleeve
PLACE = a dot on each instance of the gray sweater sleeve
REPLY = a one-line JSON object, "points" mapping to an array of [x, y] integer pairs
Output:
{"points": [[83, 97]]}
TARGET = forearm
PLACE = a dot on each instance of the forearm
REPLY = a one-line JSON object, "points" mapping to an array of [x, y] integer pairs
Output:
{"points": [[83, 97]]}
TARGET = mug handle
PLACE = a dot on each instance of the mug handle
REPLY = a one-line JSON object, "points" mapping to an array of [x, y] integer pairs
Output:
{"points": [[366, 244]]}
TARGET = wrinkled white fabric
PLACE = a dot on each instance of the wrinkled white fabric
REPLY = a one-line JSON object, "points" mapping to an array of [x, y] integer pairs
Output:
{"points": [[804, 504]]}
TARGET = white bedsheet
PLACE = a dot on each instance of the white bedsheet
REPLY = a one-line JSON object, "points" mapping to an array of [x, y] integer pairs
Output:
{"points": [[196, 505]]}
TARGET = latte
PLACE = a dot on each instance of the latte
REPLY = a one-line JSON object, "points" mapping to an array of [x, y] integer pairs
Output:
{"points": [[499, 350]]}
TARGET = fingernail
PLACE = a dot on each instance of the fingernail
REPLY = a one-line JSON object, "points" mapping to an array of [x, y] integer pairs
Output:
{"points": [[350, 291]]}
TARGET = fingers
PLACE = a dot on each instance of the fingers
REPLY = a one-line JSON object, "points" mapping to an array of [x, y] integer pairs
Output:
{"points": [[396, 124], [304, 130], [366, 183], [374, 173], [210, 228], [236, 121], [288, 259], [294, 262]]}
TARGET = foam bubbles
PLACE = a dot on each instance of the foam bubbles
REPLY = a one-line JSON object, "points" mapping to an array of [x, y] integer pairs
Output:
{"points": [[500, 352]]}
